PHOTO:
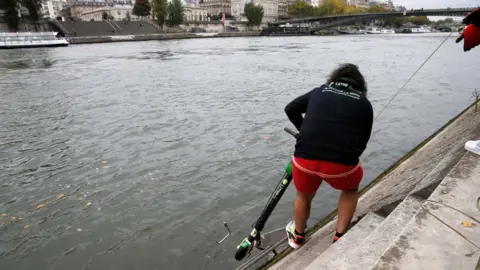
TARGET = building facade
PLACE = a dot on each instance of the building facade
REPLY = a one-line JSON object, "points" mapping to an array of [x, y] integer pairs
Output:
{"points": [[195, 13], [237, 9], [216, 7], [52, 8], [282, 8], [270, 9], [87, 11], [386, 4], [363, 3]]}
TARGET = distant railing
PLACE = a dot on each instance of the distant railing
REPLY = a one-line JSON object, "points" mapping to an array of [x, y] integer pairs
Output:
{"points": [[111, 25], [153, 23], [59, 26], [114, 23]]}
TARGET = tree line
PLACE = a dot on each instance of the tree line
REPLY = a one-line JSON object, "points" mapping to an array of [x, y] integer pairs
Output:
{"points": [[302, 8], [170, 14]]}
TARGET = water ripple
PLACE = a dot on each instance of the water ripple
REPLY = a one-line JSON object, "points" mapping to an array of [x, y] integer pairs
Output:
{"points": [[113, 163]]}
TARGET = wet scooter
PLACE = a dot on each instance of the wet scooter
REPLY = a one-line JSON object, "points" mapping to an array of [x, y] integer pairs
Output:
{"points": [[255, 239]]}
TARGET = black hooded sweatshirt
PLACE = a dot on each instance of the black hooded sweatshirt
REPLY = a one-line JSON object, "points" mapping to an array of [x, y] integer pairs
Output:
{"points": [[337, 125]]}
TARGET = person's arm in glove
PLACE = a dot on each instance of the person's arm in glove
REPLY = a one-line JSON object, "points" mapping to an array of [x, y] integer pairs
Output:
{"points": [[471, 33]]}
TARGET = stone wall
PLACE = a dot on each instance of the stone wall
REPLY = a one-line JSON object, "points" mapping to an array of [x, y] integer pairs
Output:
{"points": [[218, 27], [106, 39], [135, 28], [104, 28], [28, 27]]}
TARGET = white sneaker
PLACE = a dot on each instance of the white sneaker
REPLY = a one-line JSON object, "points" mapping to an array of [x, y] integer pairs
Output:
{"points": [[473, 146], [294, 240]]}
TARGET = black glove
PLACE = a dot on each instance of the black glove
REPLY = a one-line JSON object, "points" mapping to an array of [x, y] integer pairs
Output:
{"points": [[472, 18]]}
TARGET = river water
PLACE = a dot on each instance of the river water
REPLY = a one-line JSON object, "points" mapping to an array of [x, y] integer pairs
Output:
{"points": [[130, 155]]}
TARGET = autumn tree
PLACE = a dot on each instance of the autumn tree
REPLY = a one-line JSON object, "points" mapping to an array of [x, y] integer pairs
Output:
{"points": [[34, 8], [300, 8], [377, 9], [420, 20], [398, 22], [10, 15], [141, 8], [333, 6], [11, 10], [160, 11], [449, 20], [175, 13], [354, 10], [254, 13]]}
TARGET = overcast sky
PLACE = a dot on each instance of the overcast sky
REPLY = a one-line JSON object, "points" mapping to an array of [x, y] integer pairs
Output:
{"points": [[436, 3]]}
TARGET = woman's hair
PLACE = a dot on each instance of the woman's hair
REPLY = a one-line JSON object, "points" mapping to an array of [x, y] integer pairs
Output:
{"points": [[350, 74]]}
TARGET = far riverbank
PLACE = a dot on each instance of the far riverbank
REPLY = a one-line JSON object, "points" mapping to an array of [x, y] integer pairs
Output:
{"points": [[149, 37], [123, 38]]}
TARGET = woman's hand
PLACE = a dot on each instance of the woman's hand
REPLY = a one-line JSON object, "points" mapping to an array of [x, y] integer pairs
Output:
{"points": [[471, 33]]}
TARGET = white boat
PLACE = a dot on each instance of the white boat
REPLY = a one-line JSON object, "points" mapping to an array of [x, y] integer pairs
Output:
{"points": [[387, 31], [374, 31], [31, 40], [206, 34], [421, 30], [380, 31]]}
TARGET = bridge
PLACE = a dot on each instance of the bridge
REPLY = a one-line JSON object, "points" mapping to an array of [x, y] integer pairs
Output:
{"points": [[324, 22], [416, 12]]}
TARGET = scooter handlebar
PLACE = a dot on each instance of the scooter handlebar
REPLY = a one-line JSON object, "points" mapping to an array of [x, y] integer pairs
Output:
{"points": [[291, 132]]}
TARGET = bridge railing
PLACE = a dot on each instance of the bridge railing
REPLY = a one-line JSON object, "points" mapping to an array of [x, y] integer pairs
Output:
{"points": [[459, 11]]}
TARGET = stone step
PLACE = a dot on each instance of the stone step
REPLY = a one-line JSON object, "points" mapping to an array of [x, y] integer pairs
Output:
{"points": [[427, 243], [373, 246], [349, 242], [437, 237], [314, 247]]}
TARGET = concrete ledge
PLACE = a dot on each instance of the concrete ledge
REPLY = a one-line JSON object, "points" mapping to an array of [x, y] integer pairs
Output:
{"points": [[437, 238], [456, 198], [444, 147], [375, 244], [427, 243], [125, 38], [461, 189], [336, 255]]}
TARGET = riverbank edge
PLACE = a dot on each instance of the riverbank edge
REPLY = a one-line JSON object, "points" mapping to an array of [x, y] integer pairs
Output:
{"points": [[150, 37], [330, 217]]}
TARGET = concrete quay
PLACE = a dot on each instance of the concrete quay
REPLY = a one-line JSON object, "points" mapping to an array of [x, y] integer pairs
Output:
{"points": [[423, 213], [125, 38]]}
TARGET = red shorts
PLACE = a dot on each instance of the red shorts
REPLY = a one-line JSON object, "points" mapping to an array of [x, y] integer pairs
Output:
{"points": [[309, 174]]}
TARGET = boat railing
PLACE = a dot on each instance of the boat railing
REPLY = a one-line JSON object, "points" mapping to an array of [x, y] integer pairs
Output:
{"points": [[109, 23], [28, 37]]}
